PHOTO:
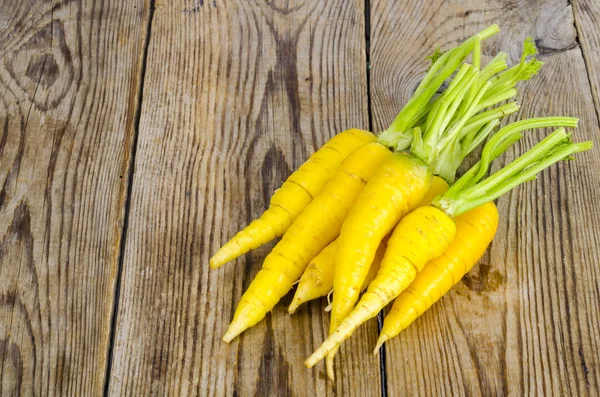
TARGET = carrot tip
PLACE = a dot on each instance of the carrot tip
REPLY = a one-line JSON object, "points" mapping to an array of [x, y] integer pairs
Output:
{"points": [[225, 254], [317, 356], [382, 339], [231, 334], [329, 366], [214, 263], [311, 361], [293, 306]]}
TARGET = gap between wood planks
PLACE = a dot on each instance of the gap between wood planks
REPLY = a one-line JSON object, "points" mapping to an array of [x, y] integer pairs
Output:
{"points": [[123, 240], [367, 13], [120, 259]]}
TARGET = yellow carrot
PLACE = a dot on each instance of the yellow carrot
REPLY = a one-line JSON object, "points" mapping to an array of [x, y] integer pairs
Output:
{"points": [[312, 231], [425, 233], [396, 189], [474, 232], [358, 233], [294, 195]]}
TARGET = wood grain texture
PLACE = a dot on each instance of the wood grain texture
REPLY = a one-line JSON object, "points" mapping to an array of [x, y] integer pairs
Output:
{"points": [[525, 321], [236, 95], [69, 77], [587, 21]]}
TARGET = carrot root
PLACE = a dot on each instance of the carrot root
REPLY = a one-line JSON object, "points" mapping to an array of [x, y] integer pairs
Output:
{"points": [[329, 366], [380, 341]]}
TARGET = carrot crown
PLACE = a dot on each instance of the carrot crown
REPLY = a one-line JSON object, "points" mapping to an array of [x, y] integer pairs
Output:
{"points": [[471, 191]]}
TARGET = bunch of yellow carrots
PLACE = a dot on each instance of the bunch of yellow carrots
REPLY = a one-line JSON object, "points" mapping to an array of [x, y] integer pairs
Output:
{"points": [[384, 213]]}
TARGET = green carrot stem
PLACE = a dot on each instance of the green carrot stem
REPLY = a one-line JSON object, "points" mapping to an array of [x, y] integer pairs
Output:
{"points": [[475, 173], [495, 99], [516, 128], [509, 78], [433, 70], [501, 141], [476, 63], [564, 153], [443, 151], [469, 177], [447, 137], [468, 100], [442, 68], [455, 99], [498, 88], [422, 114], [477, 52], [485, 117], [469, 192], [457, 88], [517, 165], [478, 137], [457, 132], [496, 65]]}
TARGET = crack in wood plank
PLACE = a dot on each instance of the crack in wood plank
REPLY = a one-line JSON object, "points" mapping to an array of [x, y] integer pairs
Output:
{"points": [[127, 199]]}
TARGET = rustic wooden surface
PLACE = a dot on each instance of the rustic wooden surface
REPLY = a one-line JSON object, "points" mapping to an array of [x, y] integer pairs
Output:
{"points": [[169, 124]]}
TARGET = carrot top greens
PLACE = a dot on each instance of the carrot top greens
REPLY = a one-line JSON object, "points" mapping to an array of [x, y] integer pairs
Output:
{"points": [[471, 191], [443, 66], [442, 130]]}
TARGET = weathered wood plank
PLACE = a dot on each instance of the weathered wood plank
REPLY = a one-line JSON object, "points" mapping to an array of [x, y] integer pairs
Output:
{"points": [[69, 79], [236, 95], [526, 320], [587, 23]]}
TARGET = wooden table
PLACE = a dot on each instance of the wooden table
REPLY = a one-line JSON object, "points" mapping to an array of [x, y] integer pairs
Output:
{"points": [[136, 137]]}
